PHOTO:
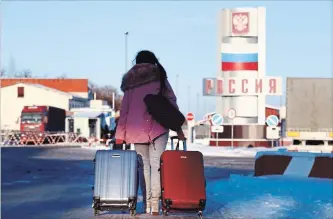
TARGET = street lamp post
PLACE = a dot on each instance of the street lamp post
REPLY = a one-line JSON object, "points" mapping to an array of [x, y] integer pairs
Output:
{"points": [[198, 104], [1, 72], [177, 85], [126, 48], [188, 98], [0, 109]]}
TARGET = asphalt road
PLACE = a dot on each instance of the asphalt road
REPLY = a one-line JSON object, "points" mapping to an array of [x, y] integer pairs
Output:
{"points": [[56, 183]]}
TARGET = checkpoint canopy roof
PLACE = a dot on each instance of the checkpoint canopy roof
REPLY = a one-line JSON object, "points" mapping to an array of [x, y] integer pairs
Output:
{"points": [[90, 115]]}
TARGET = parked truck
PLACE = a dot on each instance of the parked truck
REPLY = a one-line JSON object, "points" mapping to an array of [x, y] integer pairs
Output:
{"points": [[309, 111], [41, 124]]}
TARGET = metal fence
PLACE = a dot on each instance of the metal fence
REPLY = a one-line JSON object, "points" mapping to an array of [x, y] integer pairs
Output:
{"points": [[11, 137]]}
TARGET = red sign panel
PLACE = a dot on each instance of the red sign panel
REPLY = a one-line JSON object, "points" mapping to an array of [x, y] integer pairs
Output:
{"points": [[190, 116], [240, 23]]}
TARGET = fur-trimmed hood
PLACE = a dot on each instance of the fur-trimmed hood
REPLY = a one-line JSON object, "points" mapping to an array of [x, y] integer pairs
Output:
{"points": [[140, 74]]}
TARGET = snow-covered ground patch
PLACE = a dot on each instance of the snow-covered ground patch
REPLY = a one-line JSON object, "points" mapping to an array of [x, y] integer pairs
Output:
{"points": [[209, 151], [225, 151], [202, 146], [271, 197], [314, 149], [96, 147]]}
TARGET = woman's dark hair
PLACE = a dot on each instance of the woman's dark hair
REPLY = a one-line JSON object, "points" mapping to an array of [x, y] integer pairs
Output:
{"points": [[146, 56]]}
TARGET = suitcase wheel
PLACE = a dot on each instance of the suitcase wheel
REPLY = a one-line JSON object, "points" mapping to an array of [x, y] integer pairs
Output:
{"points": [[132, 203], [133, 212], [200, 214]]}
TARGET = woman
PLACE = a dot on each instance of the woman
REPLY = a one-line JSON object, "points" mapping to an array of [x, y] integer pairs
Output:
{"points": [[136, 125]]}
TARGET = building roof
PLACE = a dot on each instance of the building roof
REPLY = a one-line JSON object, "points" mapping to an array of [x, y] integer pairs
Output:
{"points": [[42, 87], [273, 107], [91, 115], [51, 89], [65, 85], [47, 88]]}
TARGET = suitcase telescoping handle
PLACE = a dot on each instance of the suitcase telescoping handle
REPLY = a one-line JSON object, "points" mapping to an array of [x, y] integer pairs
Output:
{"points": [[113, 142], [177, 146]]}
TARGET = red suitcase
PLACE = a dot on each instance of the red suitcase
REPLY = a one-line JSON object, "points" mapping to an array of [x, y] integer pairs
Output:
{"points": [[183, 181]]}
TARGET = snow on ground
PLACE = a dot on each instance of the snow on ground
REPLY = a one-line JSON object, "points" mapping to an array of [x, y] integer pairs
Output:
{"points": [[212, 151], [271, 197], [314, 149], [226, 151], [55, 183], [202, 146]]}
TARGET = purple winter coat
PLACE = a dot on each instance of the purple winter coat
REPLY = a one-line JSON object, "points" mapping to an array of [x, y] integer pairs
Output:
{"points": [[135, 124]]}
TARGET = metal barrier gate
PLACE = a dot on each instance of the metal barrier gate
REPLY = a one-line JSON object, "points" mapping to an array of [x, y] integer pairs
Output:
{"points": [[10, 137]]}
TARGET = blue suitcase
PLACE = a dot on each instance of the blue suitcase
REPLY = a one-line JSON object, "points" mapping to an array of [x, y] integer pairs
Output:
{"points": [[116, 181]]}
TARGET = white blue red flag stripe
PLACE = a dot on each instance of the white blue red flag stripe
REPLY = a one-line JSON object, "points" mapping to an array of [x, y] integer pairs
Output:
{"points": [[239, 62], [229, 57]]}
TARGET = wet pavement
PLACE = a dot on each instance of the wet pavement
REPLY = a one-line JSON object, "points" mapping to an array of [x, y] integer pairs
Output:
{"points": [[56, 183]]}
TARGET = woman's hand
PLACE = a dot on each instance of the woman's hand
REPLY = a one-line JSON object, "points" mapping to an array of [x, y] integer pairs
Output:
{"points": [[181, 135]]}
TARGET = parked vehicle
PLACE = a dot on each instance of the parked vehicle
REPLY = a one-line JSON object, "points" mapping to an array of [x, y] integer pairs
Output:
{"points": [[309, 120], [40, 124]]}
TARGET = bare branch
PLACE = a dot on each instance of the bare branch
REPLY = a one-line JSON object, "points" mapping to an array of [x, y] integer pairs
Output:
{"points": [[2, 72], [26, 73], [63, 76], [105, 93]]}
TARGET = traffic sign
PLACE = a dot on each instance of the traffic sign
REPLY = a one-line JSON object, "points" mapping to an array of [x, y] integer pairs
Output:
{"points": [[273, 133], [232, 113], [217, 128], [189, 116], [272, 121], [217, 119]]}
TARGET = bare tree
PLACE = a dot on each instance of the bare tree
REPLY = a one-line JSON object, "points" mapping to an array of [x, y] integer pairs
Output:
{"points": [[63, 76], [26, 73], [92, 85], [2, 72], [11, 67], [105, 93]]}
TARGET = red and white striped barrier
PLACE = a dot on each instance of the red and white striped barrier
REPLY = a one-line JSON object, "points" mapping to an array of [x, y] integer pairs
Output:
{"points": [[301, 164]]}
